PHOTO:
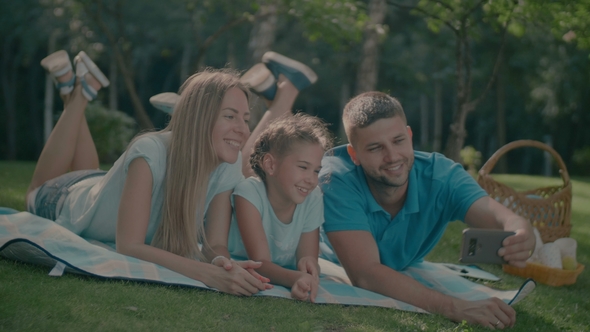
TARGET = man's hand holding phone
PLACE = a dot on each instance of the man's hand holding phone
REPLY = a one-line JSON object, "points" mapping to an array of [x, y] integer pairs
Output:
{"points": [[484, 246]]}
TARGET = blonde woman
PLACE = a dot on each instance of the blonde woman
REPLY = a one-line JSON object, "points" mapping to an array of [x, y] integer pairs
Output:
{"points": [[169, 191]]}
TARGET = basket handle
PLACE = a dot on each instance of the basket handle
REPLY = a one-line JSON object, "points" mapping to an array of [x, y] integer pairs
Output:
{"points": [[489, 165]]}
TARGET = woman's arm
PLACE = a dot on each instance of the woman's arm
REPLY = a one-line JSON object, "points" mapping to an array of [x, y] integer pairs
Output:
{"points": [[254, 237], [217, 230], [217, 226], [132, 224]]}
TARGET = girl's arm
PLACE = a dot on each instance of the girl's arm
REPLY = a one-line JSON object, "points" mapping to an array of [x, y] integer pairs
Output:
{"points": [[254, 237], [307, 262], [307, 253], [132, 224]]}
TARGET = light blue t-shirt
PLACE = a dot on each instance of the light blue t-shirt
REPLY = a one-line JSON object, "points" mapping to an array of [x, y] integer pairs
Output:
{"points": [[92, 206], [439, 191], [282, 238]]}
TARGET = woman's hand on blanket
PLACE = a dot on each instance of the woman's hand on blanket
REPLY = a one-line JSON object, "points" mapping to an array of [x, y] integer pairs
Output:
{"points": [[516, 249], [250, 266], [223, 262], [236, 280], [305, 288], [492, 313], [309, 265]]}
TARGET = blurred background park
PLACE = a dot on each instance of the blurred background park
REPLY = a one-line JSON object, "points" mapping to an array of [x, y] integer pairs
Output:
{"points": [[472, 75]]}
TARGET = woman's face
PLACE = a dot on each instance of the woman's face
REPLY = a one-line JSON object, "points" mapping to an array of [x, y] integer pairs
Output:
{"points": [[231, 130]]}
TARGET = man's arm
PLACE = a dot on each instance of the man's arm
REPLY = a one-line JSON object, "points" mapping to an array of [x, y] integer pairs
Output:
{"points": [[487, 213], [359, 255]]}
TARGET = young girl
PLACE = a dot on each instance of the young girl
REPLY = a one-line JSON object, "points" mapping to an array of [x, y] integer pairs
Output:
{"points": [[279, 212], [169, 190]]}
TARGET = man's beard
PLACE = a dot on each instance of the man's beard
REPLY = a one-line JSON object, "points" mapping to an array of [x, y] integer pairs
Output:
{"points": [[384, 181]]}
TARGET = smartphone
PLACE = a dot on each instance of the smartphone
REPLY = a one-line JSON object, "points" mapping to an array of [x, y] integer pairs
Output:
{"points": [[482, 245]]}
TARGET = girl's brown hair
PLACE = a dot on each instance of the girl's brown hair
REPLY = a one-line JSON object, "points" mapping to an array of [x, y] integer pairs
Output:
{"points": [[283, 133]]}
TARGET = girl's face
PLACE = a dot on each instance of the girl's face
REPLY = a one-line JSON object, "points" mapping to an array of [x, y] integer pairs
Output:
{"points": [[295, 175], [231, 131]]}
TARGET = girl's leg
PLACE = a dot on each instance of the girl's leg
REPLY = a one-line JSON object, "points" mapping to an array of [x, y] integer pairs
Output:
{"points": [[279, 106]]}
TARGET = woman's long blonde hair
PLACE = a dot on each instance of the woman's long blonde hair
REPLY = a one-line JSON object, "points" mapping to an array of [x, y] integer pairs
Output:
{"points": [[191, 159]]}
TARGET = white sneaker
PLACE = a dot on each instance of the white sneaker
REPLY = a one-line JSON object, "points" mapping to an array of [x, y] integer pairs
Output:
{"points": [[57, 65], [261, 80], [85, 65], [165, 101]]}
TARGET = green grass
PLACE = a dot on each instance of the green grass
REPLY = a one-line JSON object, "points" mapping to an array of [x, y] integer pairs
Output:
{"points": [[30, 300]]}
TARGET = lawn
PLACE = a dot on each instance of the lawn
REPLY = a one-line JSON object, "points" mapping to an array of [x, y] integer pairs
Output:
{"points": [[32, 300]]}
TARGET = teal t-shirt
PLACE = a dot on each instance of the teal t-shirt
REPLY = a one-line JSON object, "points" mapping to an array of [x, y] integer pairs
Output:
{"points": [[439, 191], [92, 206], [282, 238]]}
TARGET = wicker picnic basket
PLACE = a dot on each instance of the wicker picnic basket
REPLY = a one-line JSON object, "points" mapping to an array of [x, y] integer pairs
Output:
{"points": [[548, 209]]}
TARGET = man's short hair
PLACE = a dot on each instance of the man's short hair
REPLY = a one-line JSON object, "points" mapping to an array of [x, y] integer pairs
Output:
{"points": [[366, 108]]}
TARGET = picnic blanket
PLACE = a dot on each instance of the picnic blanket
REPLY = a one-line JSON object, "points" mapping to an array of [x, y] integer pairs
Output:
{"points": [[32, 239]]}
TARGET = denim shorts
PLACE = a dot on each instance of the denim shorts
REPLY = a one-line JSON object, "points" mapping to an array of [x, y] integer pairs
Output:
{"points": [[51, 195]]}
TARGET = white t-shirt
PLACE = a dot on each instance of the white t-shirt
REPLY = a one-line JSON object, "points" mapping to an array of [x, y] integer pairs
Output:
{"points": [[92, 206], [282, 238]]}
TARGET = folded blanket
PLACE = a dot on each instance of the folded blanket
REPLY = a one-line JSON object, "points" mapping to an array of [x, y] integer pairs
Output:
{"points": [[32, 239]]}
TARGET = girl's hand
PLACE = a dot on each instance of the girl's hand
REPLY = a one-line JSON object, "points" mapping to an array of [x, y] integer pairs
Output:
{"points": [[306, 287], [310, 266]]}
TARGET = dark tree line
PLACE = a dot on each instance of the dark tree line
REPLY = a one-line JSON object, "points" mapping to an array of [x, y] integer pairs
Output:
{"points": [[468, 72]]}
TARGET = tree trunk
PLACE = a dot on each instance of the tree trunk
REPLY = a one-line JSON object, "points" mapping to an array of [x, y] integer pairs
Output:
{"points": [[466, 104], [501, 121], [344, 98], [424, 118], [142, 78], [113, 88], [123, 62], [34, 123], [457, 134], [49, 94], [262, 38], [232, 60], [263, 33], [185, 62], [369, 67], [438, 117], [8, 77]]}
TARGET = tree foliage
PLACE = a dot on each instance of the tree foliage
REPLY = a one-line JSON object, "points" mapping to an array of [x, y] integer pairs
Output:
{"points": [[543, 67]]}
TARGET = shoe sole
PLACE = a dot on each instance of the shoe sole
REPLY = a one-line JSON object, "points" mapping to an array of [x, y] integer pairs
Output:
{"points": [[288, 62], [165, 101], [57, 63], [93, 69], [258, 78]]}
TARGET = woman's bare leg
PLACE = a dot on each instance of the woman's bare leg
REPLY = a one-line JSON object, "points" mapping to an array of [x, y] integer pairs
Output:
{"points": [[85, 155], [70, 146]]}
